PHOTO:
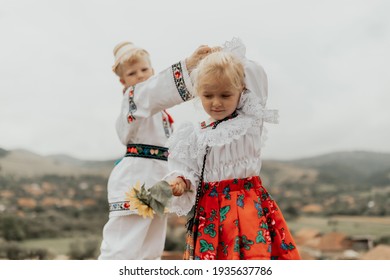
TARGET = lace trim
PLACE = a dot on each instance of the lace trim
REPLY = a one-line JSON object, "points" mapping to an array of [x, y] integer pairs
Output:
{"points": [[250, 104], [180, 211], [189, 141], [235, 46], [227, 132], [182, 205], [182, 144]]}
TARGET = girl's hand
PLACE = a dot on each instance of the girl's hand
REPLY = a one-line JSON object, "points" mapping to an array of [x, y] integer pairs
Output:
{"points": [[216, 49], [178, 186]]}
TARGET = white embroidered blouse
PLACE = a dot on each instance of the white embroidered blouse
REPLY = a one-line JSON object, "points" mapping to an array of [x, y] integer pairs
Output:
{"points": [[234, 145]]}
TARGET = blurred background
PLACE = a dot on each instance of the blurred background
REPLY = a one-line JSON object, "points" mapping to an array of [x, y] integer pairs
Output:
{"points": [[327, 163]]}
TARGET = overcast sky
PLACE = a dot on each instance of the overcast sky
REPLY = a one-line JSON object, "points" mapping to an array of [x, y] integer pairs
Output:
{"points": [[327, 64]]}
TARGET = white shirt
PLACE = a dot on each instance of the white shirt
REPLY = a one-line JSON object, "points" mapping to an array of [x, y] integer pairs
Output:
{"points": [[164, 90]]}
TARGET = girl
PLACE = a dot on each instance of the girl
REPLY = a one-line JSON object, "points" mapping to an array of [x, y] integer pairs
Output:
{"points": [[234, 215]]}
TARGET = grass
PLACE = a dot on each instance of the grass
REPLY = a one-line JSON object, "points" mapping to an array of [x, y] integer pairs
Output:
{"points": [[57, 246], [350, 225]]}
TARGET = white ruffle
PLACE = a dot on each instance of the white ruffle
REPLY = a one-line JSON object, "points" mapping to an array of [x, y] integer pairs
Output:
{"points": [[190, 141], [250, 114], [181, 205], [250, 105], [236, 47], [255, 76], [183, 142]]}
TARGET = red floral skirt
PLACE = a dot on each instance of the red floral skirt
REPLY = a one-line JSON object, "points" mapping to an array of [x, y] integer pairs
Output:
{"points": [[237, 219]]}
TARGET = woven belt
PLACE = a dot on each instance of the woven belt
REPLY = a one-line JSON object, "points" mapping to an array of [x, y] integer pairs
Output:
{"points": [[147, 151], [119, 206]]}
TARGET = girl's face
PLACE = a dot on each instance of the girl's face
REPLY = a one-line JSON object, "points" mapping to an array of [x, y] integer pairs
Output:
{"points": [[136, 72], [218, 97]]}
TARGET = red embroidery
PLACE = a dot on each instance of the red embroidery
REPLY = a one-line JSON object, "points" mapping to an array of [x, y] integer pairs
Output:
{"points": [[170, 119], [132, 150], [177, 74]]}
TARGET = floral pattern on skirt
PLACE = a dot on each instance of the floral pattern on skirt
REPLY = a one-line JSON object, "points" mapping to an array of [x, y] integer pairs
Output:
{"points": [[238, 219]]}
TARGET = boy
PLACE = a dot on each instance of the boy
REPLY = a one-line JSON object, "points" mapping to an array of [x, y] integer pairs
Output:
{"points": [[143, 126]]}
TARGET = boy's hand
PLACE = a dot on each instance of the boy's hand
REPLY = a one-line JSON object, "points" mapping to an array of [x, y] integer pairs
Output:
{"points": [[198, 55], [178, 186]]}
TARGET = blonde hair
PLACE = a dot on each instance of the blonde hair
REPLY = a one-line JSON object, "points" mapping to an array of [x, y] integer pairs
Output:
{"points": [[126, 53], [220, 66]]}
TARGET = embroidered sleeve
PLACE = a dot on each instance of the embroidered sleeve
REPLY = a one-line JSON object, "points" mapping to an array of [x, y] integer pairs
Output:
{"points": [[126, 127], [132, 106], [180, 81], [162, 91]]}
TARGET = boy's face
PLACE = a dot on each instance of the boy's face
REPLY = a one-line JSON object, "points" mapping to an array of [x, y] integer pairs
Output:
{"points": [[136, 72], [219, 98]]}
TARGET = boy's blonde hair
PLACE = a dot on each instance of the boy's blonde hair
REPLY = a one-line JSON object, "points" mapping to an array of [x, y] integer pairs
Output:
{"points": [[126, 53], [220, 66]]}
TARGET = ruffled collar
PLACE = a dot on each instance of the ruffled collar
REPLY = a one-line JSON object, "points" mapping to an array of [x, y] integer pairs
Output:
{"points": [[250, 113], [214, 123], [190, 142]]}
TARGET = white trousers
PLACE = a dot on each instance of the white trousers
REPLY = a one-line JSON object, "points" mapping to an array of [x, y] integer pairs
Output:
{"points": [[132, 237]]}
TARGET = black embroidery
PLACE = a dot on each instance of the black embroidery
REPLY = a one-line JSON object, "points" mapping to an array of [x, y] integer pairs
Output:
{"points": [[179, 82], [132, 106], [147, 151]]}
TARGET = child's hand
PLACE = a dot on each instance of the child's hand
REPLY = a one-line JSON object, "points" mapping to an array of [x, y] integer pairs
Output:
{"points": [[216, 49], [198, 55], [178, 186]]}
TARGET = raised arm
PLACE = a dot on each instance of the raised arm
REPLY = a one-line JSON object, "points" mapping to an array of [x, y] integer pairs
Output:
{"points": [[164, 90]]}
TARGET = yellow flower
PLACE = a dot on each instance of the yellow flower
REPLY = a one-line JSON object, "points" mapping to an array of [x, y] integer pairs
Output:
{"points": [[145, 211], [131, 196]]}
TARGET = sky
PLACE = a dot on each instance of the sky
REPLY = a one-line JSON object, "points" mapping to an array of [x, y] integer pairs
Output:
{"points": [[327, 64]]}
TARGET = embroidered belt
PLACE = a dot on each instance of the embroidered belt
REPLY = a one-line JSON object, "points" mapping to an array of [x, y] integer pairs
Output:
{"points": [[119, 206], [147, 151]]}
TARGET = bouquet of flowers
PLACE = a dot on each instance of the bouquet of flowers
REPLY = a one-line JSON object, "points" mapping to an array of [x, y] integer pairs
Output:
{"points": [[150, 201]]}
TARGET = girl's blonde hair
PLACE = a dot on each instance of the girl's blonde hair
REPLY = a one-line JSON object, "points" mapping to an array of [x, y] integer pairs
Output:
{"points": [[126, 53], [219, 66]]}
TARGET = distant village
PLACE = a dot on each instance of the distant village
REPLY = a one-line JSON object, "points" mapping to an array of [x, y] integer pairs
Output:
{"points": [[352, 206]]}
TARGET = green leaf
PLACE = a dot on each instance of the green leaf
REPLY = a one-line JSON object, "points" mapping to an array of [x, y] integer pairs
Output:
{"points": [[161, 192], [143, 195], [157, 207]]}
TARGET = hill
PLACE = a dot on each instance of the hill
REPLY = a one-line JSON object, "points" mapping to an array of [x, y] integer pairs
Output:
{"points": [[356, 167], [23, 163], [360, 168], [361, 161]]}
